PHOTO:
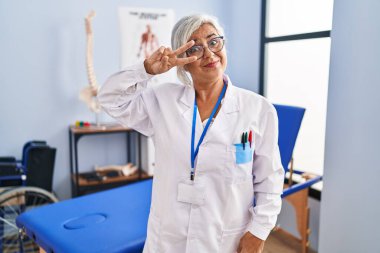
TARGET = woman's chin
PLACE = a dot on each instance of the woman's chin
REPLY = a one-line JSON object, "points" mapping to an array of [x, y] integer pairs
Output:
{"points": [[213, 72]]}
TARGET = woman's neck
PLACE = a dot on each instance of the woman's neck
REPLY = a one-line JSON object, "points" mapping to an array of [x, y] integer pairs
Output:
{"points": [[209, 90]]}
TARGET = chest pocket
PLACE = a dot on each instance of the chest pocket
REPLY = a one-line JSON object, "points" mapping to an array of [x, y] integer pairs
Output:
{"points": [[242, 157], [243, 153]]}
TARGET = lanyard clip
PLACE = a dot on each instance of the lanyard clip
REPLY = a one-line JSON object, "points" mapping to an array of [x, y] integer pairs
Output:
{"points": [[192, 176]]}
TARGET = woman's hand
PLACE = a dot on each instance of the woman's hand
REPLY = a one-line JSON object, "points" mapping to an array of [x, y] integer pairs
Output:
{"points": [[250, 244], [164, 59]]}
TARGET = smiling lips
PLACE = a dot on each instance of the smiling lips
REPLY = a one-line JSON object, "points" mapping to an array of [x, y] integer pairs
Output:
{"points": [[211, 64]]}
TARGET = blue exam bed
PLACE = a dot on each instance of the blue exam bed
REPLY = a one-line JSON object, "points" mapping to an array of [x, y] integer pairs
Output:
{"points": [[112, 221]]}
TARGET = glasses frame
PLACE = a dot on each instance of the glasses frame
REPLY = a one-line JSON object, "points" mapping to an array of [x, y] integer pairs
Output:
{"points": [[208, 47]]}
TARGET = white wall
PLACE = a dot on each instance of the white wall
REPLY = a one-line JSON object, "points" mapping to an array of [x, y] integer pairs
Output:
{"points": [[243, 20], [350, 204]]}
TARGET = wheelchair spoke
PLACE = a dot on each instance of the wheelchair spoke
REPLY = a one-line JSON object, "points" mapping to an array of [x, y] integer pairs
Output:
{"points": [[9, 223], [13, 202]]}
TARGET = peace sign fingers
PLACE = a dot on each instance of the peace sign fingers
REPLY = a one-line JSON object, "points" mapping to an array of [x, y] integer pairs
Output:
{"points": [[157, 55], [165, 58], [184, 47], [186, 60]]}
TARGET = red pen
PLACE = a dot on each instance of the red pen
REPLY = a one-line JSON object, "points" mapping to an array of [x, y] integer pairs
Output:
{"points": [[250, 138]]}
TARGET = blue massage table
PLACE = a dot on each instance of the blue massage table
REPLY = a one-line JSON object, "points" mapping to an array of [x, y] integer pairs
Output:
{"points": [[112, 221], [115, 221]]}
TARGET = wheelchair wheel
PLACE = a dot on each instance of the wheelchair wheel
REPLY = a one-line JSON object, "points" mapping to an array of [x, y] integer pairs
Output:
{"points": [[13, 202]]}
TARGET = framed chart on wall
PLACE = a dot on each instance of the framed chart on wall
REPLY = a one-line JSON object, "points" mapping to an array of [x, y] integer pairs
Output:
{"points": [[144, 30]]}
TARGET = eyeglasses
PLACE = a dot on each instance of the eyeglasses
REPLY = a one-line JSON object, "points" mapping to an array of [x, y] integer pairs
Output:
{"points": [[214, 45]]}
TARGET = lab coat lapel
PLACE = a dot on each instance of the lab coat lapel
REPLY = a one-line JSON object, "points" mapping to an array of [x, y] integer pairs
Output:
{"points": [[224, 120], [187, 104]]}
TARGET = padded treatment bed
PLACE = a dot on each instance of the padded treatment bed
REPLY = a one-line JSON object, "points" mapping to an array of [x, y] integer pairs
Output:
{"points": [[112, 221]]}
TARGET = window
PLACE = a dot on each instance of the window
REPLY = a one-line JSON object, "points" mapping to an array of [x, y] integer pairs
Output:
{"points": [[295, 55]]}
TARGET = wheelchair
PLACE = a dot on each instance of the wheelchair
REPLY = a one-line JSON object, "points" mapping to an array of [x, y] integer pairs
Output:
{"points": [[24, 184]]}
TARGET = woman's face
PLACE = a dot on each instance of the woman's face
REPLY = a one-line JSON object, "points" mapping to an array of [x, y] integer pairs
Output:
{"points": [[211, 65]]}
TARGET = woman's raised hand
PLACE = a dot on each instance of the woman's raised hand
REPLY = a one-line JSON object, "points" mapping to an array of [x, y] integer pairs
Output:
{"points": [[164, 59]]}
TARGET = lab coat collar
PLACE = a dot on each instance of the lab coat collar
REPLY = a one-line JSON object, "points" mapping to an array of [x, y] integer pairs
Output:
{"points": [[230, 102]]}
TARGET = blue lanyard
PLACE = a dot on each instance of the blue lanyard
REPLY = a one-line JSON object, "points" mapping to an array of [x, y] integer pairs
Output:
{"points": [[195, 153]]}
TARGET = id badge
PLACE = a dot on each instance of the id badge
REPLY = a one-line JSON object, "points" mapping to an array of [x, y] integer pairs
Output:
{"points": [[191, 192]]}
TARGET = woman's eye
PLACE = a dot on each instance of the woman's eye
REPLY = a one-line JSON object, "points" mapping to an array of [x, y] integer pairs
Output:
{"points": [[193, 50], [213, 42]]}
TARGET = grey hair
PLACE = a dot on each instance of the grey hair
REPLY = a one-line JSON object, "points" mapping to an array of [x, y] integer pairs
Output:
{"points": [[183, 30]]}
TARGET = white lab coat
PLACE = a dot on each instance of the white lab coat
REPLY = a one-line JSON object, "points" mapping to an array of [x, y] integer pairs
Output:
{"points": [[223, 191]]}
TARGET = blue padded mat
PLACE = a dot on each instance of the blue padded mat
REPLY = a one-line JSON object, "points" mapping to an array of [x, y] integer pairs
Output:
{"points": [[112, 221]]}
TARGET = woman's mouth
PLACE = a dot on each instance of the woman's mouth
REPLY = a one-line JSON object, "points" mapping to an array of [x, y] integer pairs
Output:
{"points": [[212, 64]]}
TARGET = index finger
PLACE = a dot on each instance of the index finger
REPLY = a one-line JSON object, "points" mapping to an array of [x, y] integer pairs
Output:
{"points": [[186, 60], [184, 47]]}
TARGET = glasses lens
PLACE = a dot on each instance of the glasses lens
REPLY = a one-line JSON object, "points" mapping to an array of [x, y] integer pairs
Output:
{"points": [[216, 44], [195, 51]]}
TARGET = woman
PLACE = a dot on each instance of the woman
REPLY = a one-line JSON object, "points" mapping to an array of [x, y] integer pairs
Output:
{"points": [[216, 146]]}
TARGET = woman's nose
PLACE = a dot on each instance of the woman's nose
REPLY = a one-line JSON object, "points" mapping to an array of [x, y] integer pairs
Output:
{"points": [[207, 52]]}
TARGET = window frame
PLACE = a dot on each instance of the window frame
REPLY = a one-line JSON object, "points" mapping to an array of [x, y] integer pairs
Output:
{"points": [[264, 40]]}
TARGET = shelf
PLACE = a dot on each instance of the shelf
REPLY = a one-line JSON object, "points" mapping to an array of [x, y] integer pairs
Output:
{"points": [[105, 128], [80, 186], [82, 182]]}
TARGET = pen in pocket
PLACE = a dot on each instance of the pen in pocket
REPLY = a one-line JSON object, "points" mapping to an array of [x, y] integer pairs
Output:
{"points": [[250, 138], [242, 140]]}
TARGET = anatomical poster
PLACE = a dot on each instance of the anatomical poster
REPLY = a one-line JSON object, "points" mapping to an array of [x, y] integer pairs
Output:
{"points": [[143, 31]]}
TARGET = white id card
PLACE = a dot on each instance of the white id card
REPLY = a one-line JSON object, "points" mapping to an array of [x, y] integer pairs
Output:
{"points": [[191, 192]]}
